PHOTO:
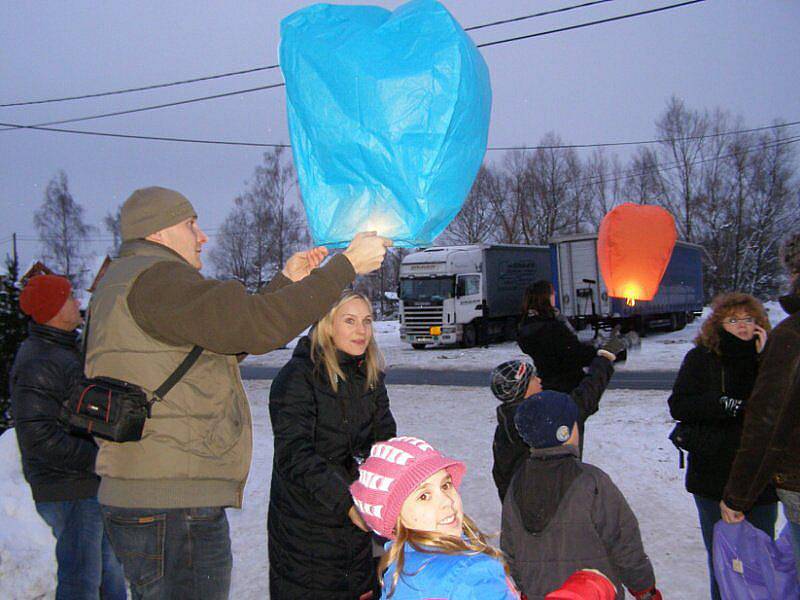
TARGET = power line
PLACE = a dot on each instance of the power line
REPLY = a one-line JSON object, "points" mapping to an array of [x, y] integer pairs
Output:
{"points": [[535, 15], [214, 231], [10, 126], [146, 108], [268, 67], [645, 142], [589, 24], [277, 85], [677, 164], [490, 148]]}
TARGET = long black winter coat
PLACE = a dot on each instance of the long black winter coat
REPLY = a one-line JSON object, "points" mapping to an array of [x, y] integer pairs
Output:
{"points": [[509, 450], [703, 377], [57, 464], [556, 351], [314, 549]]}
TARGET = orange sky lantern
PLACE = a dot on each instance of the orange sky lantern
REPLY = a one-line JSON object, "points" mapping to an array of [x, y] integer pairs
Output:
{"points": [[634, 246]]}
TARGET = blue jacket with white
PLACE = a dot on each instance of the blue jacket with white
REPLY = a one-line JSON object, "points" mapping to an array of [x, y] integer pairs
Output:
{"points": [[429, 576]]}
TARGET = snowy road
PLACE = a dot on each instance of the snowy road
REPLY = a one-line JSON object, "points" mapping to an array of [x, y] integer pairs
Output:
{"points": [[630, 380]]}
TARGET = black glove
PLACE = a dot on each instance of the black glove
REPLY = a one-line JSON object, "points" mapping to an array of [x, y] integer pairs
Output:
{"points": [[731, 406], [615, 346]]}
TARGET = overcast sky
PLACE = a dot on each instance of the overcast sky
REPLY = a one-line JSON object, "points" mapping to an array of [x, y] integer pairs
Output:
{"points": [[598, 84]]}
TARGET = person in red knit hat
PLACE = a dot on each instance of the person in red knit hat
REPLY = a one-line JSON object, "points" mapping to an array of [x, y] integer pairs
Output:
{"points": [[57, 464], [43, 297]]}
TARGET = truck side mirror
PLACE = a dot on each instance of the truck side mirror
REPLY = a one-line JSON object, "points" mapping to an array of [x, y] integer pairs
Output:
{"points": [[461, 288]]}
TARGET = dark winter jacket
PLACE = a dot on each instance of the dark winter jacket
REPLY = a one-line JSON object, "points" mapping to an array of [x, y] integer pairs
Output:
{"points": [[561, 515], [57, 464], [770, 446], [314, 549], [556, 351], [703, 378], [509, 449]]}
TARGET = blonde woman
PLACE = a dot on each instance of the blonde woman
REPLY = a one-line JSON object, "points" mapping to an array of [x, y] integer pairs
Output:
{"points": [[709, 398], [328, 405]]}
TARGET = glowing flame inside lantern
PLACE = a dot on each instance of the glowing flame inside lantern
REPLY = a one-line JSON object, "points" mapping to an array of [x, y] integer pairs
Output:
{"points": [[631, 291]]}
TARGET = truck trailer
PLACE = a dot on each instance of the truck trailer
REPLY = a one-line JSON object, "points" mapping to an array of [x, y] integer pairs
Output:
{"points": [[466, 295], [582, 297], [472, 295]]}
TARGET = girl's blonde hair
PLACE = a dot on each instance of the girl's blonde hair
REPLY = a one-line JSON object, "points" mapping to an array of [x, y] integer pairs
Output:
{"points": [[323, 349], [722, 307], [473, 542]]}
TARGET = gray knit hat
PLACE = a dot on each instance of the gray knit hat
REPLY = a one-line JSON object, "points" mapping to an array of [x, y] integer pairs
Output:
{"points": [[152, 209], [790, 253]]}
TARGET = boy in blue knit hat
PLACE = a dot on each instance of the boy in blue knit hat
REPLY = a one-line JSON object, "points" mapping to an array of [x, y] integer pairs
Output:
{"points": [[515, 380], [561, 514]]}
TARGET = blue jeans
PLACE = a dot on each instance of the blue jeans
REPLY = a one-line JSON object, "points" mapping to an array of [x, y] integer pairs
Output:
{"points": [[763, 517], [171, 554], [87, 567]]}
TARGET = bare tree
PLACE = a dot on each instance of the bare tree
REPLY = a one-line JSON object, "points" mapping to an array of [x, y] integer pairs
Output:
{"points": [[477, 219], [605, 182], [59, 223], [273, 181], [683, 131], [233, 253], [112, 225], [263, 228]]}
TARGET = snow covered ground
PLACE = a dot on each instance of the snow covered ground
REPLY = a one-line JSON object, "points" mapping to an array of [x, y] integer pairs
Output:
{"points": [[659, 351], [627, 438]]}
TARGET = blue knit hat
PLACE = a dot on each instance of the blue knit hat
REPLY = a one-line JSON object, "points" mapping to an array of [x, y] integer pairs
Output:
{"points": [[546, 419]]}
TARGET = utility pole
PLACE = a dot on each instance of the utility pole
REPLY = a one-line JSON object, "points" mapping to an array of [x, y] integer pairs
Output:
{"points": [[14, 246]]}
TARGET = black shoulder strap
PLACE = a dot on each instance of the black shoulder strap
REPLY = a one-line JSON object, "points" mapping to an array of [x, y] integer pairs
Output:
{"points": [[174, 377], [179, 372]]}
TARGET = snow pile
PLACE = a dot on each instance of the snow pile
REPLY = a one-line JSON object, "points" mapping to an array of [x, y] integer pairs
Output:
{"points": [[27, 547], [627, 438]]}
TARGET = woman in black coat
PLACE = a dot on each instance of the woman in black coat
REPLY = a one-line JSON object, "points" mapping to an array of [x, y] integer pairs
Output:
{"points": [[709, 398], [548, 338], [328, 405]]}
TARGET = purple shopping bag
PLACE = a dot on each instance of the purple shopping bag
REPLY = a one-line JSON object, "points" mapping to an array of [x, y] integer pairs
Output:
{"points": [[749, 565]]}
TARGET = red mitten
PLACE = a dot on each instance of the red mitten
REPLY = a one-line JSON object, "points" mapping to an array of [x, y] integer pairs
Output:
{"points": [[584, 585], [649, 594]]}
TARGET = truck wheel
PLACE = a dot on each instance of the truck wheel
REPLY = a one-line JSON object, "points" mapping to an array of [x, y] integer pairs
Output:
{"points": [[418, 346], [469, 338]]}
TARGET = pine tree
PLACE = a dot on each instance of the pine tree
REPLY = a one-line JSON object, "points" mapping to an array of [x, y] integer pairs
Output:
{"points": [[13, 329]]}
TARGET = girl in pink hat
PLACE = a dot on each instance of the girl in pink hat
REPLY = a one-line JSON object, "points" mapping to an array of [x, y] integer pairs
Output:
{"points": [[408, 492]]}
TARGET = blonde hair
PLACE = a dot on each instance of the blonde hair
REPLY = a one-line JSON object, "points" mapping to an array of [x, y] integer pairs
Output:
{"points": [[722, 307], [323, 349], [435, 543]]}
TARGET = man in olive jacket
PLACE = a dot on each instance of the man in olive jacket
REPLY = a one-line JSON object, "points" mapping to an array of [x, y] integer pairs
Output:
{"points": [[164, 497], [770, 446]]}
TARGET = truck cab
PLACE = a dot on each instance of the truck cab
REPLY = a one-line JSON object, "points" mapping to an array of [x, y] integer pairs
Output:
{"points": [[440, 290]]}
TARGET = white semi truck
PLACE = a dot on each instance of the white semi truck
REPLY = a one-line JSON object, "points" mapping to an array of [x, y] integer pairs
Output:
{"points": [[466, 295], [473, 295]]}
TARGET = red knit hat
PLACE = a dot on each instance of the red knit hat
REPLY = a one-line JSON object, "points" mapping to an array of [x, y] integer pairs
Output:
{"points": [[393, 470], [43, 296]]}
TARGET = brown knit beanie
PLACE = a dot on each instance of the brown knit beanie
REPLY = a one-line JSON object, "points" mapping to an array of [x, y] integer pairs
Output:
{"points": [[790, 253], [152, 209]]}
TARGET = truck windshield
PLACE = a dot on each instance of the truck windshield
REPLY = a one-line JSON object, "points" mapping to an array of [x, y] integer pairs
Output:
{"points": [[427, 290]]}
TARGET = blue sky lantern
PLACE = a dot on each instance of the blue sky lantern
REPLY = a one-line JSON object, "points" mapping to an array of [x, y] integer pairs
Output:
{"points": [[388, 117]]}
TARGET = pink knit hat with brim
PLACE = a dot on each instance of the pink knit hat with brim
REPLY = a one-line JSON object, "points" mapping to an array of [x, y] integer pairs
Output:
{"points": [[393, 470]]}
